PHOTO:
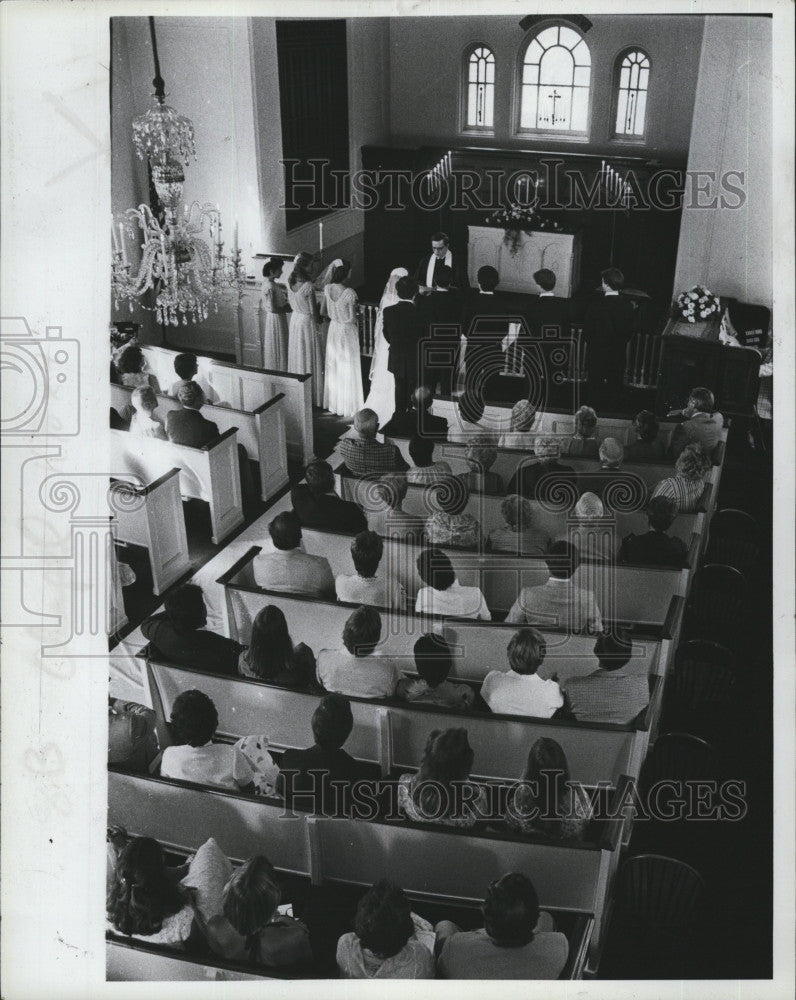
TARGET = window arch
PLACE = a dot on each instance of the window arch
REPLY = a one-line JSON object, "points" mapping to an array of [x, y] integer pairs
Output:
{"points": [[555, 82], [479, 88], [632, 86]]}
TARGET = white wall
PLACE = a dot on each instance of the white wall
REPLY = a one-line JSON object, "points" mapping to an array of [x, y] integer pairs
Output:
{"points": [[730, 249]]}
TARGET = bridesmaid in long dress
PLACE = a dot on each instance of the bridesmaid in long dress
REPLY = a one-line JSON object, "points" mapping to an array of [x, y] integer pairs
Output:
{"points": [[343, 391], [274, 303], [305, 318]]}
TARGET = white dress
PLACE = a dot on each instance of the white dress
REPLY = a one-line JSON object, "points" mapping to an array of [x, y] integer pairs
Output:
{"points": [[381, 397], [274, 329], [343, 389], [300, 350]]}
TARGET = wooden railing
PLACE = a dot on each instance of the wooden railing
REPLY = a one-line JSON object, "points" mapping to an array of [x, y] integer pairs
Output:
{"points": [[642, 360]]}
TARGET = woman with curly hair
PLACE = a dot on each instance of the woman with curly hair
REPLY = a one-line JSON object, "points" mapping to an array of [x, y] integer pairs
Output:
{"points": [[584, 443], [435, 793], [687, 484], [518, 535], [451, 524]]}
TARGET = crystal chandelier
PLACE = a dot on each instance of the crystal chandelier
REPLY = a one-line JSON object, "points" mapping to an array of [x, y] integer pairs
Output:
{"points": [[182, 256]]}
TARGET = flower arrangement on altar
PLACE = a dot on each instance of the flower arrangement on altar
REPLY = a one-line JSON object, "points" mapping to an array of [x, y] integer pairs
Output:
{"points": [[517, 219], [696, 304]]}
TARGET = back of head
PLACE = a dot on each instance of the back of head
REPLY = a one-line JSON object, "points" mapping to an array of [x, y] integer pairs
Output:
{"points": [[613, 277], [611, 453], [272, 267], [488, 278], [391, 489], [362, 631], [332, 721], [285, 531], [546, 447], [692, 462], [523, 414], [422, 397], [433, 658], [144, 399], [449, 494], [481, 453], [421, 450], [191, 396], [443, 276], [448, 757], [526, 651], [383, 921], [511, 910], [251, 896], [517, 512], [300, 272], [589, 506], [585, 421], [435, 568], [366, 423], [661, 512], [342, 271], [142, 894], [406, 287], [320, 477], [647, 425], [562, 560], [130, 360], [545, 279], [270, 648], [366, 551], [613, 649], [185, 608], [546, 755], [186, 365], [471, 407], [702, 400], [194, 718]]}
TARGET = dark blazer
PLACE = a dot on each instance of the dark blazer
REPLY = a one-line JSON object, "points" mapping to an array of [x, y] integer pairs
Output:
{"points": [[609, 322], [403, 328], [549, 310], [485, 322], [459, 276], [655, 548], [202, 650], [327, 512], [295, 776], [190, 428], [411, 422], [526, 479]]}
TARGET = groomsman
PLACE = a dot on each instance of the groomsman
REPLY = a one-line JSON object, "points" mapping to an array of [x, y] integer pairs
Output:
{"points": [[609, 323], [403, 331], [441, 312], [485, 323], [547, 309], [427, 272]]}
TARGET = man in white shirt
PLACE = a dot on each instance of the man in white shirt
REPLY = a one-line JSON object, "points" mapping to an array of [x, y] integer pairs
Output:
{"points": [[520, 691], [356, 670], [443, 594], [428, 270], [559, 602], [289, 568], [367, 586]]}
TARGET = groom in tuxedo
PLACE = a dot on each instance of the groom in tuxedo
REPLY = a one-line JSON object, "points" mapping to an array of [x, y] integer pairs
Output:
{"points": [[403, 330], [441, 312], [428, 270]]}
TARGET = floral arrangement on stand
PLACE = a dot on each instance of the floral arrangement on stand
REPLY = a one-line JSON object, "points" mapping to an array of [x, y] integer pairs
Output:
{"points": [[517, 219], [698, 304]]}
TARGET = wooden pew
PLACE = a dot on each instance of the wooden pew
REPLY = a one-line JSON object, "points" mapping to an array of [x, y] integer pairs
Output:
{"points": [[211, 473], [568, 874], [261, 432], [393, 734], [478, 646], [152, 516], [248, 388], [631, 593]]}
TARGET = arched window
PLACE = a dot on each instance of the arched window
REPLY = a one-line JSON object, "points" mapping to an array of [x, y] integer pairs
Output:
{"points": [[631, 93], [479, 88], [556, 74]]}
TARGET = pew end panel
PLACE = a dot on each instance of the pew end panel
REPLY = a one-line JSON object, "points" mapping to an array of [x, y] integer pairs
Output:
{"points": [[270, 435]]}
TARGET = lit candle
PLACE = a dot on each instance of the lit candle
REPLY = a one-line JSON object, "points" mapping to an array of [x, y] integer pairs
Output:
{"points": [[320, 237], [114, 237], [121, 237], [235, 246]]}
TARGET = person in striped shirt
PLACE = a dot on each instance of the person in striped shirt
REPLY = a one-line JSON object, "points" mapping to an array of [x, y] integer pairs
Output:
{"points": [[687, 484]]}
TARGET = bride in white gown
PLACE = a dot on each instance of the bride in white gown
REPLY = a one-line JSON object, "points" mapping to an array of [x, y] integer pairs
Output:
{"points": [[381, 397]]}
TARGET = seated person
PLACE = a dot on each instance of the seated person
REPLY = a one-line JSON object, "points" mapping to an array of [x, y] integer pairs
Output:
{"points": [[516, 942], [143, 422], [518, 535], [395, 522], [435, 794], [560, 602], [656, 548], [467, 422], [366, 586], [419, 420], [186, 367], [611, 454], [271, 655], [520, 691], [177, 635], [687, 486], [318, 506], [545, 478], [647, 447], [356, 670], [310, 772], [424, 469], [388, 940], [481, 456], [239, 910], [443, 594], [544, 801], [702, 425], [132, 742], [521, 434], [133, 369], [611, 693], [433, 661], [451, 524], [187, 426], [363, 454], [287, 567], [584, 442], [195, 757], [592, 542]]}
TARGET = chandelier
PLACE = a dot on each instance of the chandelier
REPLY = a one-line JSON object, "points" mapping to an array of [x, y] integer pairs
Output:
{"points": [[182, 253]]}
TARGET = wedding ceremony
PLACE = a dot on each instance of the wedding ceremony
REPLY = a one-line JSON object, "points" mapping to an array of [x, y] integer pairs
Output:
{"points": [[441, 415]]}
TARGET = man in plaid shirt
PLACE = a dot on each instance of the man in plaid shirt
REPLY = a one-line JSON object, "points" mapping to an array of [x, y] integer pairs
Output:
{"points": [[363, 454]]}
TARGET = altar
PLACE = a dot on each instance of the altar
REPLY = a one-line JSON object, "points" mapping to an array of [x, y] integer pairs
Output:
{"points": [[559, 252]]}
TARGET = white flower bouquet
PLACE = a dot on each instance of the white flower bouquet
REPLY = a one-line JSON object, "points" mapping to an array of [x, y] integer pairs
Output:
{"points": [[696, 304], [516, 219]]}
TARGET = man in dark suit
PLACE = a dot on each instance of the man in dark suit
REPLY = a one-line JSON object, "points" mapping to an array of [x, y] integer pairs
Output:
{"points": [[427, 271], [609, 323], [403, 330], [318, 506], [441, 312], [485, 323], [547, 310], [419, 420], [545, 479], [656, 548], [187, 426]]}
